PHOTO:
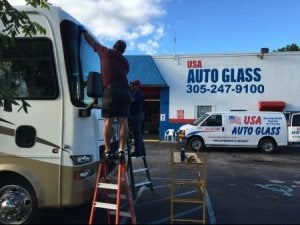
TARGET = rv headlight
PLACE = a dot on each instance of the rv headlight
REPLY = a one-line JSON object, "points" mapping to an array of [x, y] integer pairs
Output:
{"points": [[81, 159]]}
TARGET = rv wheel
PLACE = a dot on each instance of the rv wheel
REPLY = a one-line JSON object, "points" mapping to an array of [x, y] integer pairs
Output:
{"points": [[196, 143], [267, 146], [18, 202]]}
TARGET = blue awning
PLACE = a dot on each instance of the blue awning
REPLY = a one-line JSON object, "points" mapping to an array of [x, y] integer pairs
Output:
{"points": [[143, 68]]}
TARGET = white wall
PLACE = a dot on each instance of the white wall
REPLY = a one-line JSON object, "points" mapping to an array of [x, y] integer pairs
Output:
{"points": [[277, 78]]}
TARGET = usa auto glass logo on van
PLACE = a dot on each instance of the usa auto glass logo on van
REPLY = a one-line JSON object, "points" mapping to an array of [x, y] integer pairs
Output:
{"points": [[234, 120]]}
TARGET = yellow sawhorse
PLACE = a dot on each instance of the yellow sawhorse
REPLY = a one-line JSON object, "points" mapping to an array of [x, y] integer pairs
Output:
{"points": [[189, 175]]}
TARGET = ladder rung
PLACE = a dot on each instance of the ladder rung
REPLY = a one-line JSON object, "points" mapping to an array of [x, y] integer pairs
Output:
{"points": [[187, 200], [187, 182], [108, 186], [188, 220], [142, 183], [140, 170], [105, 205]]}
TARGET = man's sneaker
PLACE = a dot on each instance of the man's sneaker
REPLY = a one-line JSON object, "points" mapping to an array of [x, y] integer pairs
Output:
{"points": [[121, 155], [107, 155]]}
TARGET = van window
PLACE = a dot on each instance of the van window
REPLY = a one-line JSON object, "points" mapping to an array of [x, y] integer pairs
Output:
{"points": [[27, 69], [200, 119], [296, 120], [213, 120]]}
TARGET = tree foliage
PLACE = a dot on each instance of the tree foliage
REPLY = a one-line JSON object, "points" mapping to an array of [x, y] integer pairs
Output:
{"points": [[292, 47], [16, 22]]}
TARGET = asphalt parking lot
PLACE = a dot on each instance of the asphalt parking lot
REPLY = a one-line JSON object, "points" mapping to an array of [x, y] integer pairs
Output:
{"points": [[244, 186]]}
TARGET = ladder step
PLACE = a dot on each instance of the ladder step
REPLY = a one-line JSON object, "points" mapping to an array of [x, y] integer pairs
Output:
{"points": [[187, 200], [189, 220], [105, 205], [108, 186], [142, 184], [140, 170]]}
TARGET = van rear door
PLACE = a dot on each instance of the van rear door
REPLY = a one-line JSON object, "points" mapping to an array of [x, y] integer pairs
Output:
{"points": [[294, 128]]}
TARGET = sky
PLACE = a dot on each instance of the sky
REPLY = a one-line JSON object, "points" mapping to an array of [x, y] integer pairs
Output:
{"points": [[168, 27]]}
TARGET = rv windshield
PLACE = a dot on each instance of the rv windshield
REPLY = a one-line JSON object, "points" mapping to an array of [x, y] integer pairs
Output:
{"points": [[80, 59], [200, 119]]}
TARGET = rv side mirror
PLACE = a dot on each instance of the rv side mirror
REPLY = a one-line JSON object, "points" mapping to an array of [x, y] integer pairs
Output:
{"points": [[94, 90], [94, 85]]}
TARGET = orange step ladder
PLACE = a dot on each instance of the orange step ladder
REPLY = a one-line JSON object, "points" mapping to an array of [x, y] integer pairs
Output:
{"points": [[113, 193]]}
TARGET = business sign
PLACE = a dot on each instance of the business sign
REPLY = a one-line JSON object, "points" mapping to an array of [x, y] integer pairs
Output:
{"points": [[255, 125], [225, 80]]}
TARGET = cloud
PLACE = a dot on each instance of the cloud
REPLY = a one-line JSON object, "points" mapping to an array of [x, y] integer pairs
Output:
{"points": [[149, 47], [135, 21]]}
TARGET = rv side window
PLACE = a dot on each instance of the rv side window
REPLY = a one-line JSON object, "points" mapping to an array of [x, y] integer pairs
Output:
{"points": [[296, 120], [213, 120], [27, 69]]}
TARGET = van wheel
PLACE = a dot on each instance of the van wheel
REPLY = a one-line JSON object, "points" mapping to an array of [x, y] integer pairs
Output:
{"points": [[196, 143], [18, 202], [267, 146]]}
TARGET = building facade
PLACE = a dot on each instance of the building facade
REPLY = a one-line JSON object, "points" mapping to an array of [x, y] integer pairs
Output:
{"points": [[181, 87]]}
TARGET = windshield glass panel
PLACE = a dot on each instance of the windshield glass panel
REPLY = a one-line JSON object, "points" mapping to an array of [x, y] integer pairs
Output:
{"points": [[200, 119], [80, 59]]}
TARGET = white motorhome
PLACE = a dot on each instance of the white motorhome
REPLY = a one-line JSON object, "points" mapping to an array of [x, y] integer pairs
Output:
{"points": [[254, 129], [50, 148]]}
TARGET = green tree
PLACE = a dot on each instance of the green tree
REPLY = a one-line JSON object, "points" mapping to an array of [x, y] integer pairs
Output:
{"points": [[16, 22], [292, 47]]}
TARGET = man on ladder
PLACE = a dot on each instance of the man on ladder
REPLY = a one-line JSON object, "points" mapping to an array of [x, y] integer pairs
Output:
{"points": [[116, 94], [115, 104], [137, 118], [135, 126]]}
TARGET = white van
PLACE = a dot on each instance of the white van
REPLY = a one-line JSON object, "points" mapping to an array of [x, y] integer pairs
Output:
{"points": [[293, 127], [265, 130], [50, 150]]}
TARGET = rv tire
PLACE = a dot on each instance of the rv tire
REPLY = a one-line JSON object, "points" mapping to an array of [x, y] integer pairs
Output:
{"points": [[18, 202]]}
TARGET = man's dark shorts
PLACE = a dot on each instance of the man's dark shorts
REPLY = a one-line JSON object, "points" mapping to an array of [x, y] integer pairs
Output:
{"points": [[116, 102]]}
